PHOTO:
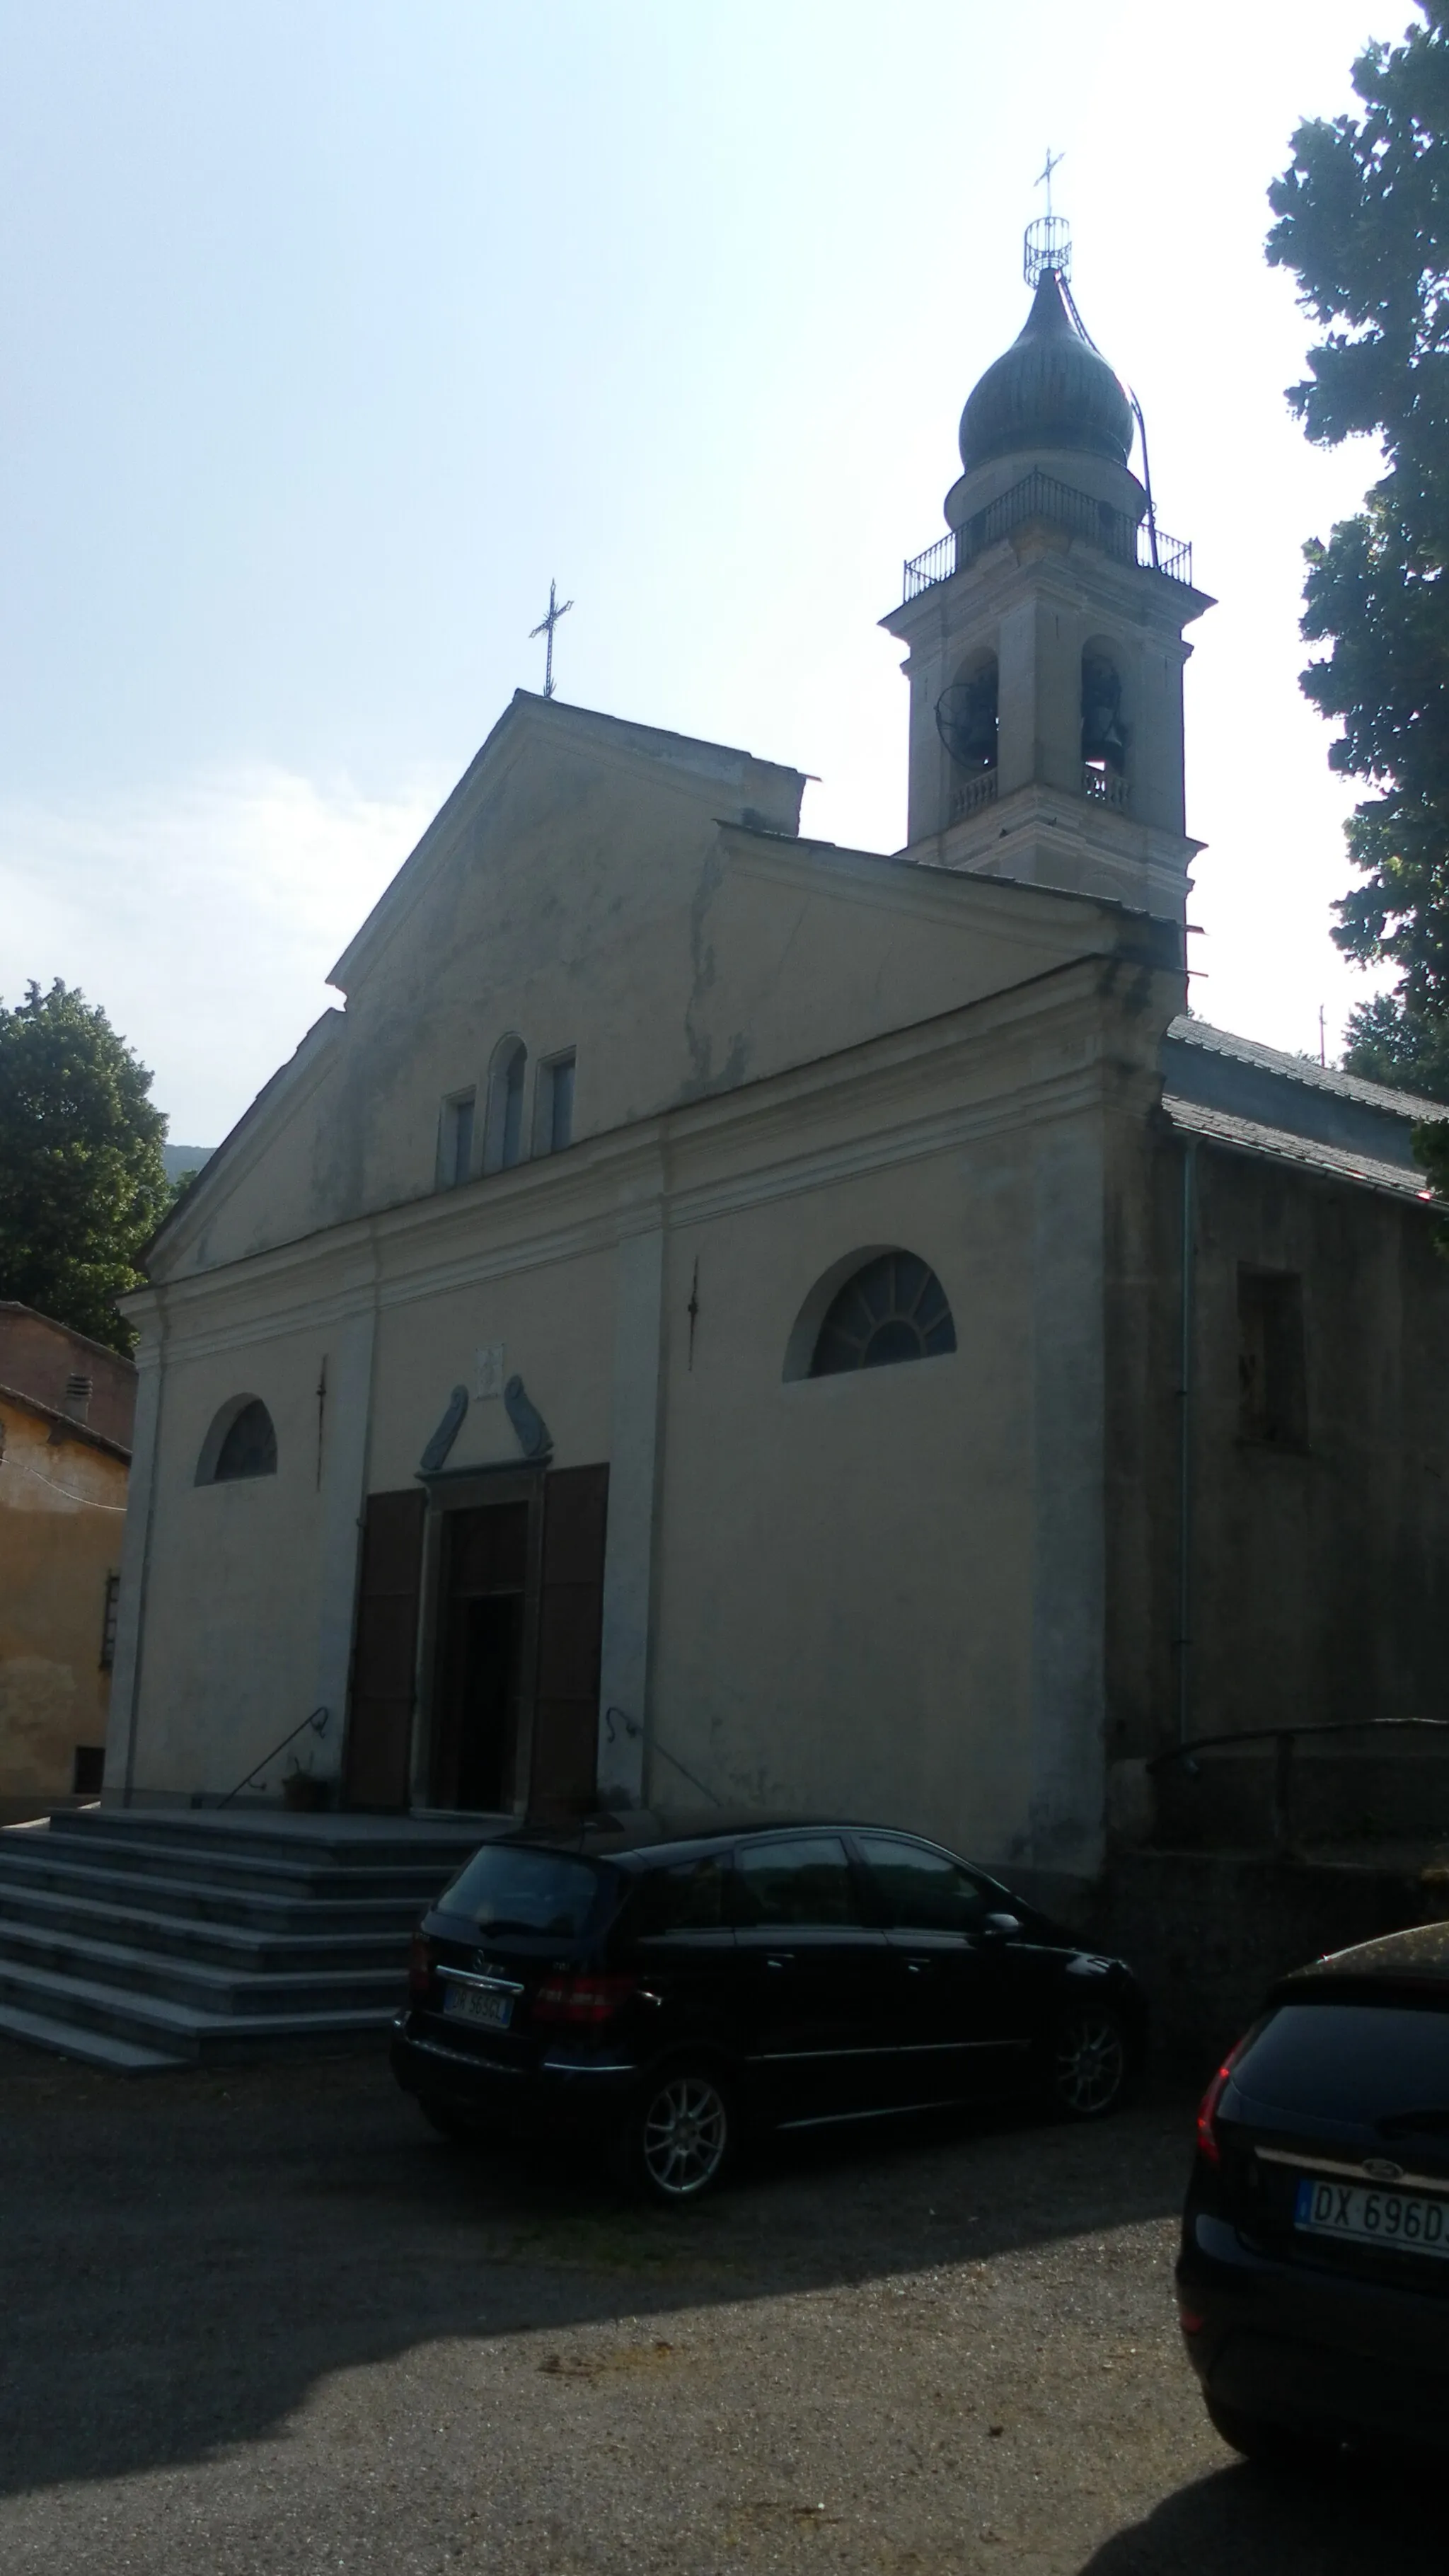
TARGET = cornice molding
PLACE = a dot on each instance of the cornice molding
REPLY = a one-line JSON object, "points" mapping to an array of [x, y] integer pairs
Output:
{"points": [[656, 1175]]}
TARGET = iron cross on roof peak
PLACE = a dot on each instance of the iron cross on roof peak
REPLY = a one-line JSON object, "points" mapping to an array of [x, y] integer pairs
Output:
{"points": [[1043, 178], [546, 626]]}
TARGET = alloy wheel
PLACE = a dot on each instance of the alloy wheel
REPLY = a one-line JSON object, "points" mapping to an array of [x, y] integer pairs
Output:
{"points": [[684, 2136], [1091, 2065]]}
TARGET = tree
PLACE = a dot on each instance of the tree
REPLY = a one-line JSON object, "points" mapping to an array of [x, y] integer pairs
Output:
{"points": [[1387, 1042], [82, 1181], [1363, 223]]}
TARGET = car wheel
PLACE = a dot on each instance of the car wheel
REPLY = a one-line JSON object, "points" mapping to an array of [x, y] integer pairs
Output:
{"points": [[1272, 2446], [1090, 2066], [682, 2135]]}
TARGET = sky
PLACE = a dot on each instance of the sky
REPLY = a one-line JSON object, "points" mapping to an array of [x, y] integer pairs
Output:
{"points": [[332, 331]]}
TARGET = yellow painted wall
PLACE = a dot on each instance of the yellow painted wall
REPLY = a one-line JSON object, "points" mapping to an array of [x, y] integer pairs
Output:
{"points": [[62, 1505]]}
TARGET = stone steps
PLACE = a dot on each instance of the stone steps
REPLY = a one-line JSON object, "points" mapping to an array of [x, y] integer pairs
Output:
{"points": [[135, 1940], [176, 2031], [250, 1947], [198, 1899], [91, 2047], [231, 1989]]}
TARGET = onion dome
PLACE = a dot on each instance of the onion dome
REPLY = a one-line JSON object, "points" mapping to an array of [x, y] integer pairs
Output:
{"points": [[1049, 389]]}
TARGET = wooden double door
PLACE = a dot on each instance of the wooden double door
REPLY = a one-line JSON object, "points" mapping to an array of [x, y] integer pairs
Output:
{"points": [[475, 1672]]}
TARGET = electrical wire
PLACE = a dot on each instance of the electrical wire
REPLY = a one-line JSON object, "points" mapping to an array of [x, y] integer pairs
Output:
{"points": [[1071, 304], [88, 1500]]}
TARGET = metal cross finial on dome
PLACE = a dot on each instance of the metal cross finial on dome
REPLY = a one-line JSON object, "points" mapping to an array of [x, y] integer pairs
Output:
{"points": [[546, 626], [1048, 246]]}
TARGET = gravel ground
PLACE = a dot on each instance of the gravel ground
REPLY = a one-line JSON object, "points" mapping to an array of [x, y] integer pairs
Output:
{"points": [[261, 2323]]}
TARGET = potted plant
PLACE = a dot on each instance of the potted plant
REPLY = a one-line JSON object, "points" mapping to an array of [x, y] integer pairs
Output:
{"points": [[302, 1789]]}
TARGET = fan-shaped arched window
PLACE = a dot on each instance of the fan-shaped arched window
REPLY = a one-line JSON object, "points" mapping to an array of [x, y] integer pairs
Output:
{"points": [[888, 1308], [241, 1442], [503, 1134]]}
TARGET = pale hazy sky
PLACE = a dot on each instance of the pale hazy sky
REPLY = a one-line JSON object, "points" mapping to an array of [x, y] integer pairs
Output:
{"points": [[332, 328]]}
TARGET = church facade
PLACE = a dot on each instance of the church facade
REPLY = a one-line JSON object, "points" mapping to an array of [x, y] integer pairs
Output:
{"points": [[719, 1316]]}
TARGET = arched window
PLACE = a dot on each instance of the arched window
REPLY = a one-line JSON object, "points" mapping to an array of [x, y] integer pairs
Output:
{"points": [[503, 1134], [871, 1312], [241, 1442]]}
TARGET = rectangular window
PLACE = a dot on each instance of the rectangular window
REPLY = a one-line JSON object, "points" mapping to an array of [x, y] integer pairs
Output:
{"points": [[455, 1158], [108, 1622], [1272, 1375], [556, 1103]]}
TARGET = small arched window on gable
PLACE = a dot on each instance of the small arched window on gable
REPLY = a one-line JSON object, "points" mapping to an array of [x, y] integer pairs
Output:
{"points": [[241, 1442], [503, 1133], [871, 1312]]}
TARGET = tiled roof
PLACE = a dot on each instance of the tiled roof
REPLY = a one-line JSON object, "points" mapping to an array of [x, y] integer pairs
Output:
{"points": [[1278, 1145], [1300, 1068]]}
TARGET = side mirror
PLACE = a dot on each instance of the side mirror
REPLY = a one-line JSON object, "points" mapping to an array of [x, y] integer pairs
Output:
{"points": [[1002, 1927]]}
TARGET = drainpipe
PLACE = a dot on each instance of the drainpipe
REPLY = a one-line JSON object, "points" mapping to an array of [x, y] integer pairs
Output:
{"points": [[1184, 1450], [143, 1580]]}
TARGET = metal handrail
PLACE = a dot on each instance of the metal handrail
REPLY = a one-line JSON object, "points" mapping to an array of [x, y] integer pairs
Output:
{"points": [[317, 1720], [1283, 1740], [1273, 1734], [1042, 496], [633, 1727]]}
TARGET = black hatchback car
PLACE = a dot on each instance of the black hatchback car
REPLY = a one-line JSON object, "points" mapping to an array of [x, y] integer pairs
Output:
{"points": [[1313, 2281], [660, 1992]]}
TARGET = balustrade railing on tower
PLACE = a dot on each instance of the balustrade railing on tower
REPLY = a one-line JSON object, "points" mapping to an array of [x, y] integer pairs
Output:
{"points": [[1059, 505]]}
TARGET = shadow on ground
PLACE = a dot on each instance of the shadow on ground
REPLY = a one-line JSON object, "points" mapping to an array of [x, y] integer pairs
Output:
{"points": [[182, 2259], [1352, 2521]]}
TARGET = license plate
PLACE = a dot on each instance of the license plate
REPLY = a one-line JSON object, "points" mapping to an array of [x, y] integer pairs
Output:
{"points": [[1372, 2216], [474, 2003]]}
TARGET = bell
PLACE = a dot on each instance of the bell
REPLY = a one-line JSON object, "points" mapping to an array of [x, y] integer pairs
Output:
{"points": [[966, 720], [1104, 737]]}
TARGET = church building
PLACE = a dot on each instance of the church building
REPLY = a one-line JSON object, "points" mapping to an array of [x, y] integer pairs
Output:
{"points": [[718, 1316]]}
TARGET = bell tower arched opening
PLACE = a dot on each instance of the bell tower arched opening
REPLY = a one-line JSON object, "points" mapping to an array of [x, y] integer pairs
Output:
{"points": [[968, 722], [1104, 726]]}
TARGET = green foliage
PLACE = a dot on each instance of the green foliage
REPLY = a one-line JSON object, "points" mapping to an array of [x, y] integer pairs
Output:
{"points": [[1363, 222], [1387, 1043], [82, 1181]]}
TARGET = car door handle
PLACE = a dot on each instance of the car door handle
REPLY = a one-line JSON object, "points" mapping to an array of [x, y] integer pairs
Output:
{"points": [[781, 1959], [920, 1967]]}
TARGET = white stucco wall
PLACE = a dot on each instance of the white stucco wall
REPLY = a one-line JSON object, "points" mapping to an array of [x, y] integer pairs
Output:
{"points": [[881, 1591]]}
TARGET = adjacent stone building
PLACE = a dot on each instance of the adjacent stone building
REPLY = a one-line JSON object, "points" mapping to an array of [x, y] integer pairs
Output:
{"points": [[66, 1407], [723, 1315]]}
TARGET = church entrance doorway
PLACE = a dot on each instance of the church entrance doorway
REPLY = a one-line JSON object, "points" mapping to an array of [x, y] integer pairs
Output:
{"points": [[476, 1658], [478, 1690]]}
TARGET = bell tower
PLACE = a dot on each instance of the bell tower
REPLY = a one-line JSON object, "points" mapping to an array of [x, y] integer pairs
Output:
{"points": [[1044, 632]]}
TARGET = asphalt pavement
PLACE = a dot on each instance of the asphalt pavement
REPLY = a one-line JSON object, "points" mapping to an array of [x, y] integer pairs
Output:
{"points": [[262, 2323]]}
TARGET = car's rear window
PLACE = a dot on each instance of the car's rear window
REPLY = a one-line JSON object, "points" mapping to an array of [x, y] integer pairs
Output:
{"points": [[1351, 2062], [503, 1889]]}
